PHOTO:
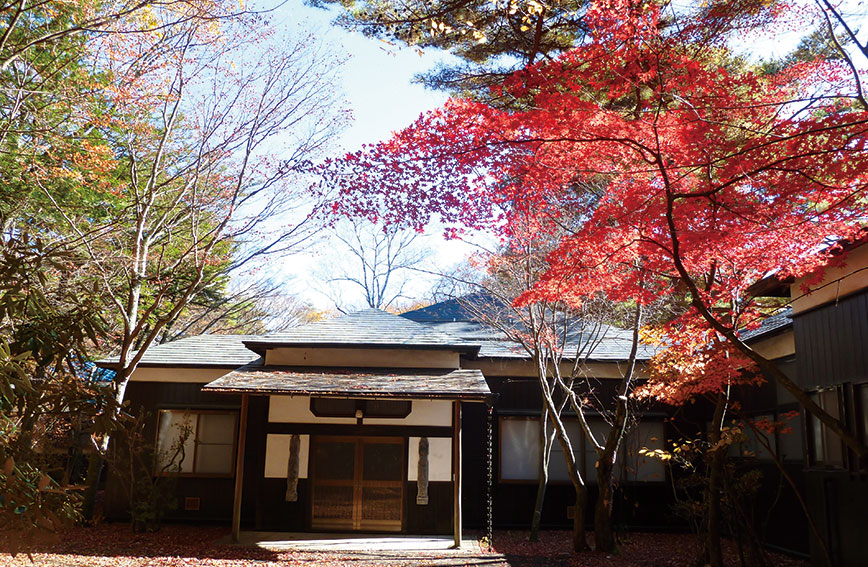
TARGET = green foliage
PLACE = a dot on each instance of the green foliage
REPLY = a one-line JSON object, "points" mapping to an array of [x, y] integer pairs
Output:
{"points": [[493, 39], [48, 320]]}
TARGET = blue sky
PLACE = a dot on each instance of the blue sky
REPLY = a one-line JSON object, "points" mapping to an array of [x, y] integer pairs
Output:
{"points": [[377, 81]]}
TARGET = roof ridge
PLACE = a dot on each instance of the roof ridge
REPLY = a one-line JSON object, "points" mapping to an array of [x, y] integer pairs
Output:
{"points": [[371, 326]]}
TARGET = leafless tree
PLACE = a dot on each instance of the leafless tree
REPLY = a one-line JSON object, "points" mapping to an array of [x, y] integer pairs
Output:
{"points": [[561, 336], [209, 136], [842, 33], [380, 262]]}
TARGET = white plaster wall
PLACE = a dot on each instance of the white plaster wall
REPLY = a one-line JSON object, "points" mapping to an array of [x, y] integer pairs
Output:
{"points": [[778, 346], [176, 374], [423, 412], [439, 459], [845, 279], [296, 409], [362, 357], [277, 455]]}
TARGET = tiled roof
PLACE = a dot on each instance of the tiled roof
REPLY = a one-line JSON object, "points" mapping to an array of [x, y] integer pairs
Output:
{"points": [[770, 325], [371, 327], [201, 350], [447, 326], [357, 383], [457, 317], [609, 343], [465, 308]]}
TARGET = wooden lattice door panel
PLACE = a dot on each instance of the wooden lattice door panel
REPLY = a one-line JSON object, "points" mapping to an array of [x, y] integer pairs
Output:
{"points": [[357, 483], [334, 463]]}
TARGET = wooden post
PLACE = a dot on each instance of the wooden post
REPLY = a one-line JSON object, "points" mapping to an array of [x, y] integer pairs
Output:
{"points": [[239, 470], [456, 473]]}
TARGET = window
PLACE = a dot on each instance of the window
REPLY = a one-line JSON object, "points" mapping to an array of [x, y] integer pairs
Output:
{"points": [[342, 407], [825, 448], [200, 443], [753, 439], [520, 447], [862, 397], [638, 466]]}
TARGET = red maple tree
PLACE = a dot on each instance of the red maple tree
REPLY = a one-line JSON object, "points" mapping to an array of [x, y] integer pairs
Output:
{"points": [[706, 171]]}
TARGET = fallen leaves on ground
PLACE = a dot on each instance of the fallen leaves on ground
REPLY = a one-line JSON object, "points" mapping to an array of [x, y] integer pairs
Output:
{"points": [[634, 550], [116, 545]]}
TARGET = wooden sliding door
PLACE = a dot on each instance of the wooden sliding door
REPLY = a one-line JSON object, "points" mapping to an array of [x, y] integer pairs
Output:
{"points": [[357, 483]]}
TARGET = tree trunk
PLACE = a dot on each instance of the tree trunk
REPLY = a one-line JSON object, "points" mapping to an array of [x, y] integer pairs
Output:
{"points": [[96, 461], [604, 533], [580, 538], [545, 456], [713, 549], [94, 470]]}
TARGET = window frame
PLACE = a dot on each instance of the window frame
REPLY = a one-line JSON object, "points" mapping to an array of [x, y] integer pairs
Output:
{"points": [[811, 421], [860, 413], [861, 400], [197, 412], [581, 447]]}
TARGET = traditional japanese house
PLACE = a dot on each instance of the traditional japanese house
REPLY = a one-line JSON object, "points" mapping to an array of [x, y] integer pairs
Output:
{"points": [[374, 422]]}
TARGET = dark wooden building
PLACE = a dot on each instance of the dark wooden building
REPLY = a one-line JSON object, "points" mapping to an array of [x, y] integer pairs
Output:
{"points": [[830, 360], [373, 422]]}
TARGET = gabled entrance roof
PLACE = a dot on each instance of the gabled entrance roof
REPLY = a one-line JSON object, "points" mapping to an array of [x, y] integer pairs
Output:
{"points": [[446, 384]]}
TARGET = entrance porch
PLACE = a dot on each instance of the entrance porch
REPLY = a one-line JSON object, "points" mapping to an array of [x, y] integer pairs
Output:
{"points": [[355, 450]]}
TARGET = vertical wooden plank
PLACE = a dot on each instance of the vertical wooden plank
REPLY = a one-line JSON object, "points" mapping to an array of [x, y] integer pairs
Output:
{"points": [[239, 470], [456, 473]]}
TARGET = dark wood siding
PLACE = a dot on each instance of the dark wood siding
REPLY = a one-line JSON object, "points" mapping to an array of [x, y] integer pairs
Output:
{"points": [[215, 494], [832, 343], [638, 504], [838, 500], [432, 518], [832, 349]]}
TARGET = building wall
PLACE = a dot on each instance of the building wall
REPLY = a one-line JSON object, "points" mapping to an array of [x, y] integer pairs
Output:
{"points": [[270, 425], [178, 375], [841, 280], [639, 504], [423, 413], [831, 343], [518, 368], [831, 356], [296, 409], [361, 357], [838, 501], [214, 494]]}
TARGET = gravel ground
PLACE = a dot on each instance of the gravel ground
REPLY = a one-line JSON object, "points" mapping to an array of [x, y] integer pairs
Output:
{"points": [[175, 546]]}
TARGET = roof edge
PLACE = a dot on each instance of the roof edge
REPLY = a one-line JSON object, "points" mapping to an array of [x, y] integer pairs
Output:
{"points": [[349, 394], [258, 346]]}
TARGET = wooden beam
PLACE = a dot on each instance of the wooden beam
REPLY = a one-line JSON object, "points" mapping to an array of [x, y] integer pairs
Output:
{"points": [[360, 430], [239, 470], [456, 473]]}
